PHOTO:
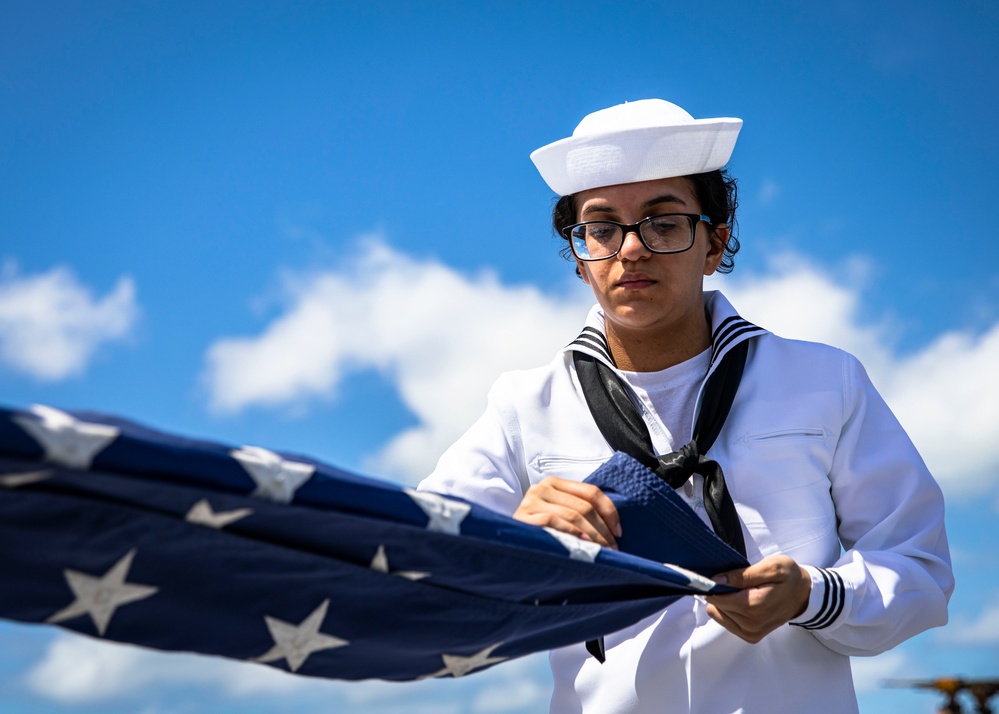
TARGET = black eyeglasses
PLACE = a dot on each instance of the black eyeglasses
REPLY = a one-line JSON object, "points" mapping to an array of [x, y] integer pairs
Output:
{"points": [[665, 233]]}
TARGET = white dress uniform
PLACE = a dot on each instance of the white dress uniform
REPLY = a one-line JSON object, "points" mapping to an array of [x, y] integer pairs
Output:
{"points": [[819, 469]]}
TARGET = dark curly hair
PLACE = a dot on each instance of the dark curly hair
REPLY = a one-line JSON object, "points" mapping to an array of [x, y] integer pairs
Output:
{"points": [[716, 192]]}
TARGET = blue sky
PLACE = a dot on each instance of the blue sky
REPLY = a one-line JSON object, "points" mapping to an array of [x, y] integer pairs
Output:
{"points": [[314, 227]]}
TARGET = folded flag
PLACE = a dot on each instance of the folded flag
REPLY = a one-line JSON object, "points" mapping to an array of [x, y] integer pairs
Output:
{"points": [[121, 532]]}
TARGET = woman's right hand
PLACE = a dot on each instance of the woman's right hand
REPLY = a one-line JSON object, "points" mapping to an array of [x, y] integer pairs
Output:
{"points": [[580, 509]]}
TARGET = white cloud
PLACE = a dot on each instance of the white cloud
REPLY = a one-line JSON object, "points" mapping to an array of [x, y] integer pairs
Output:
{"points": [[442, 337], [795, 299], [511, 697], [870, 673], [51, 325], [946, 397], [982, 631], [76, 670], [944, 394]]}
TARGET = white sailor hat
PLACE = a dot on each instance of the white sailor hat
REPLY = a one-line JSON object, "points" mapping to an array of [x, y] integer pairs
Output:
{"points": [[636, 141]]}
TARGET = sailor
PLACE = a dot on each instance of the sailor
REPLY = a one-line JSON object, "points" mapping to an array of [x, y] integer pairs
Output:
{"points": [[784, 447]]}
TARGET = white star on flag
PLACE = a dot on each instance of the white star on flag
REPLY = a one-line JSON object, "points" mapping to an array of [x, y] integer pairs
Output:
{"points": [[67, 441], [445, 515], [100, 597], [276, 479], [578, 548], [201, 513], [458, 666], [24, 478], [381, 564], [295, 643]]}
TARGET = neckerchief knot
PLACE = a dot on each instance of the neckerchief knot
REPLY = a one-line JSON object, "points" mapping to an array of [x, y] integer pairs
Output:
{"points": [[676, 467], [621, 424]]}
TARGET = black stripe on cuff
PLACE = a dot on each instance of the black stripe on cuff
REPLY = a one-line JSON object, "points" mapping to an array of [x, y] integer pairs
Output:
{"points": [[833, 601]]}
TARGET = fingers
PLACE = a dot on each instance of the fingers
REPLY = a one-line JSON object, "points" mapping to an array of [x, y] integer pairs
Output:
{"points": [[774, 592], [776, 568], [743, 630], [741, 620], [580, 509]]}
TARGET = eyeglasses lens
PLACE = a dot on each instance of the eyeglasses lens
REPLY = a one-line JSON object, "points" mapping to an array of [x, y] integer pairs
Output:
{"points": [[662, 234]]}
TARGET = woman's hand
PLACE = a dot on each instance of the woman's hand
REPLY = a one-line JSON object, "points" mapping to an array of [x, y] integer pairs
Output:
{"points": [[775, 591], [580, 509]]}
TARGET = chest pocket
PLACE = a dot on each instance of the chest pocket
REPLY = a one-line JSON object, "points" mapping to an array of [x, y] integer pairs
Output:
{"points": [[567, 467], [786, 459], [784, 480]]}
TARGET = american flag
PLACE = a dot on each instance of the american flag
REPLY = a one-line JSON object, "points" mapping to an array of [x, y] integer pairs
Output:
{"points": [[121, 532]]}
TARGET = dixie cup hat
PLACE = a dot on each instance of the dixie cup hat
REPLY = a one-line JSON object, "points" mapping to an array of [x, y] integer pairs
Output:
{"points": [[636, 141]]}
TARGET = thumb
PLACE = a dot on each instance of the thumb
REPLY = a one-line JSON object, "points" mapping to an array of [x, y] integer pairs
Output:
{"points": [[734, 578]]}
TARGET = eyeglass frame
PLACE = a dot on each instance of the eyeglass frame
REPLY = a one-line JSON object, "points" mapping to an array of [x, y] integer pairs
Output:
{"points": [[636, 228]]}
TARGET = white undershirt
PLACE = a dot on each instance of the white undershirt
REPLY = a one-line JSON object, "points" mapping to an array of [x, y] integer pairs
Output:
{"points": [[669, 397]]}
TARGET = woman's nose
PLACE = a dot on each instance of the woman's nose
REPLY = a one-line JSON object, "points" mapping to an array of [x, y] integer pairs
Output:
{"points": [[632, 248]]}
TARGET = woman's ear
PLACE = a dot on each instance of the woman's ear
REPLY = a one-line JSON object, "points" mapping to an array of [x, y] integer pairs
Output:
{"points": [[581, 267], [718, 238]]}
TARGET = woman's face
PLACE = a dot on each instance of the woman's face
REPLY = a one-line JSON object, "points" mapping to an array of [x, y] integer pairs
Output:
{"points": [[640, 290]]}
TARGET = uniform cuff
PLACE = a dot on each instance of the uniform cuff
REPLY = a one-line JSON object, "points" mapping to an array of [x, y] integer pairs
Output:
{"points": [[825, 602]]}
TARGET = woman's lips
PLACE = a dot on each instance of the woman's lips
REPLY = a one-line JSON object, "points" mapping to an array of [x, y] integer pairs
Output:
{"points": [[635, 282]]}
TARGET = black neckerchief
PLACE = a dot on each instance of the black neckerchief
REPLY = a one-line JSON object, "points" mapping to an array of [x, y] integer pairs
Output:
{"points": [[624, 429]]}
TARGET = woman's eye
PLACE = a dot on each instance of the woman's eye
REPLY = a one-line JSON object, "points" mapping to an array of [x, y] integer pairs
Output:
{"points": [[601, 232], [664, 225]]}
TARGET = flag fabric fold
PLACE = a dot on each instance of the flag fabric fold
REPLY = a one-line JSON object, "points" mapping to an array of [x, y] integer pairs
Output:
{"points": [[121, 532]]}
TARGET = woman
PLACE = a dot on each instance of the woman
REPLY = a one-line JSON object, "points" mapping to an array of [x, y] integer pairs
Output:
{"points": [[813, 477]]}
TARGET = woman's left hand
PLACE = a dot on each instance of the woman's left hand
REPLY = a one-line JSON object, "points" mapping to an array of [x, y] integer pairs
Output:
{"points": [[774, 592]]}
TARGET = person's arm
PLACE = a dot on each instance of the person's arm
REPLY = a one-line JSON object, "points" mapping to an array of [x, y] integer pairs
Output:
{"points": [[485, 465], [895, 578]]}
